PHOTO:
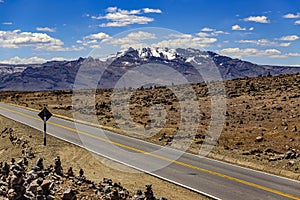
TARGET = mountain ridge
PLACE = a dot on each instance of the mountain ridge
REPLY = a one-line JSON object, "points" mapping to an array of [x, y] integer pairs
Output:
{"points": [[61, 75]]}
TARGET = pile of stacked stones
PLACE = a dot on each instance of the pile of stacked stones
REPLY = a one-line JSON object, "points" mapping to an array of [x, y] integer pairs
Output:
{"points": [[17, 182], [19, 141]]}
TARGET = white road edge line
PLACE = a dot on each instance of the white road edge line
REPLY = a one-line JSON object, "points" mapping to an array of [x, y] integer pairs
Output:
{"points": [[147, 172], [199, 156]]}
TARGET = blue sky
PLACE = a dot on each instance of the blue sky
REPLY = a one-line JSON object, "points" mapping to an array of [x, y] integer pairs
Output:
{"points": [[261, 31]]}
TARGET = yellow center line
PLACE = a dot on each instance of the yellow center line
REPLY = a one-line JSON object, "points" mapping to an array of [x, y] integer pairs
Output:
{"points": [[161, 157], [66, 118]]}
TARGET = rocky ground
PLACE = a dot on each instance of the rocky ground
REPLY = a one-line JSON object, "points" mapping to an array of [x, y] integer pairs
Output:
{"points": [[30, 170], [18, 181], [261, 128]]}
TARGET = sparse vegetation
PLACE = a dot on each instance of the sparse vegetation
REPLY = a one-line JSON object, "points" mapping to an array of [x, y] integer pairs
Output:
{"points": [[265, 107]]}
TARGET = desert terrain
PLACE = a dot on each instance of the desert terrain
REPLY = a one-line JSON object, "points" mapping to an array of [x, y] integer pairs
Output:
{"points": [[96, 169], [261, 128]]}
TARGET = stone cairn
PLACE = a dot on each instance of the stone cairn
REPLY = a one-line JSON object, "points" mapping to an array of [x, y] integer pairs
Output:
{"points": [[18, 182]]}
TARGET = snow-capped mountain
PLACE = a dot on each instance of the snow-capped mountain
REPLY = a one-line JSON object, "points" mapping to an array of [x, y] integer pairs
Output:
{"points": [[163, 53], [160, 64], [11, 69], [155, 52]]}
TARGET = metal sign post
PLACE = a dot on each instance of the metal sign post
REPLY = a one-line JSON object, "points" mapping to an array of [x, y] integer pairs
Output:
{"points": [[45, 114], [45, 130]]}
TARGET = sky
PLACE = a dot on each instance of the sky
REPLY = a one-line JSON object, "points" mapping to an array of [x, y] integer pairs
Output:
{"points": [[260, 31]]}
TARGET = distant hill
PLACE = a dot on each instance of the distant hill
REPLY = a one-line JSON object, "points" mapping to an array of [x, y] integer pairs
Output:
{"points": [[60, 75]]}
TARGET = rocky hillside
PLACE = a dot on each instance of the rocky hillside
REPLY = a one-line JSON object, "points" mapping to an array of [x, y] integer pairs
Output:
{"points": [[60, 75]]}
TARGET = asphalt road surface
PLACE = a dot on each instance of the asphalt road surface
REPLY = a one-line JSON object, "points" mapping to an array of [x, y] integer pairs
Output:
{"points": [[216, 179]]}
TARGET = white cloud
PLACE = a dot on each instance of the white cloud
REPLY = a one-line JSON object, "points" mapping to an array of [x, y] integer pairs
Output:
{"points": [[145, 39], [286, 55], [93, 40], [7, 23], [98, 36], [252, 52], [278, 56], [1, 1], [237, 28], [46, 29], [292, 16], [249, 52], [194, 42], [257, 19], [18, 39], [206, 32], [18, 60], [263, 42], [111, 9], [294, 54], [285, 44], [58, 59], [30, 60], [150, 10], [117, 17], [95, 46], [60, 48], [181, 35], [289, 38], [131, 39], [251, 28], [141, 35], [207, 29], [202, 34], [216, 33]]}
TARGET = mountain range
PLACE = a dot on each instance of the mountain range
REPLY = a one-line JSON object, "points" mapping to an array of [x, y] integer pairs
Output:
{"points": [[133, 67]]}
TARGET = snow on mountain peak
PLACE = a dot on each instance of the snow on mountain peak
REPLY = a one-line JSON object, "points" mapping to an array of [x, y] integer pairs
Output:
{"points": [[165, 53], [160, 52], [147, 52]]}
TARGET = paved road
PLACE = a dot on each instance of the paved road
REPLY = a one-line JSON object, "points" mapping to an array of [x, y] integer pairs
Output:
{"points": [[216, 179]]}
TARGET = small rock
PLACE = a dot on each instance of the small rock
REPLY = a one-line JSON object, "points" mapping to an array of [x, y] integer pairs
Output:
{"points": [[291, 163], [284, 124], [46, 185], [70, 172], [246, 153], [81, 172], [39, 163], [291, 154], [107, 189], [272, 159], [69, 194], [33, 187], [107, 181], [259, 139], [139, 195], [12, 195], [226, 147]]}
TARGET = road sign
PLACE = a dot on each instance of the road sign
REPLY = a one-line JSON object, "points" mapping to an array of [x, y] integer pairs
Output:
{"points": [[45, 114]]}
